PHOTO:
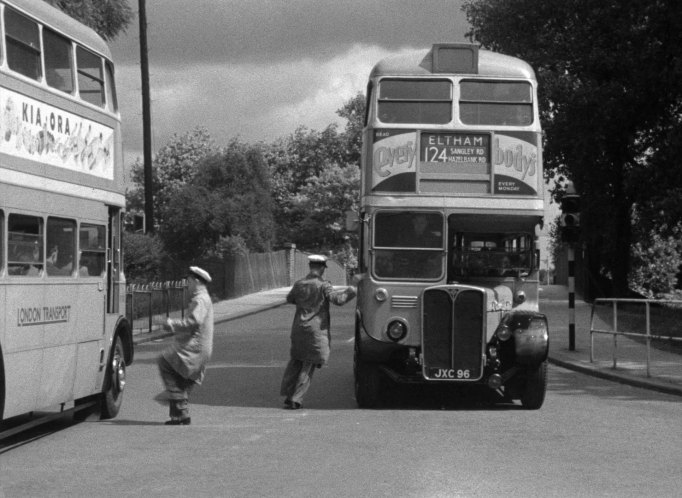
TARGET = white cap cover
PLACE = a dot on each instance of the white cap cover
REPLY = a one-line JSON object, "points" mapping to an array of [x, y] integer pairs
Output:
{"points": [[200, 273]]}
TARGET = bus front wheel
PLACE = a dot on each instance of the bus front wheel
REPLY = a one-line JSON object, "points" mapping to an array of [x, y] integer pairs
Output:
{"points": [[114, 381], [367, 384], [533, 395]]}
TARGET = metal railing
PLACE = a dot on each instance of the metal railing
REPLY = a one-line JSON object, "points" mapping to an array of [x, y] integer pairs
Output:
{"points": [[148, 304], [647, 335]]}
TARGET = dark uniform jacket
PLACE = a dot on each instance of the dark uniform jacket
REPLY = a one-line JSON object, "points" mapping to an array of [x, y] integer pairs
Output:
{"points": [[310, 335]]}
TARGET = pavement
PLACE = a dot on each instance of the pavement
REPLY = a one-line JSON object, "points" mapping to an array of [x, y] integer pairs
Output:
{"points": [[665, 367]]}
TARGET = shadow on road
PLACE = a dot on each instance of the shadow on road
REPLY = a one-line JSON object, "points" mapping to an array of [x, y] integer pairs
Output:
{"points": [[129, 422]]}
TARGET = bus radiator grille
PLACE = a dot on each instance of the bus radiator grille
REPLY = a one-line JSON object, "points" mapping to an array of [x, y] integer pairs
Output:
{"points": [[453, 333]]}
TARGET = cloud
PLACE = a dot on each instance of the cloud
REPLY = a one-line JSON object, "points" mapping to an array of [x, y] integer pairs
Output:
{"points": [[260, 69], [272, 31], [254, 102]]}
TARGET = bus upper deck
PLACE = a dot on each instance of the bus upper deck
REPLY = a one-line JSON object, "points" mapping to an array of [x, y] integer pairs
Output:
{"points": [[59, 121], [456, 126]]}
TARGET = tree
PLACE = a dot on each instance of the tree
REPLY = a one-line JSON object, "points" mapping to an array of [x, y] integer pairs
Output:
{"points": [[143, 257], [321, 204], [240, 179], [300, 163], [609, 93], [292, 161], [108, 18], [173, 167], [656, 262], [354, 111], [224, 206], [191, 223]]}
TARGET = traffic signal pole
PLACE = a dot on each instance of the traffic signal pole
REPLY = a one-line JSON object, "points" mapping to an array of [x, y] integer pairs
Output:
{"points": [[570, 234]]}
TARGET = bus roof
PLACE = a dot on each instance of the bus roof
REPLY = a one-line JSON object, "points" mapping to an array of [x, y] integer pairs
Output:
{"points": [[419, 63], [44, 13]]}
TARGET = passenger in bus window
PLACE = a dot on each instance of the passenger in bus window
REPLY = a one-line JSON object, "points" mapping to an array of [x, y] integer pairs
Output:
{"points": [[67, 267], [57, 265], [183, 364], [54, 254], [83, 270], [27, 255]]}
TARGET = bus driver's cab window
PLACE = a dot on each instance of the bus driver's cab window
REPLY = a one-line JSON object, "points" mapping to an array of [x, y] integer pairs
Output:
{"points": [[24, 245], [408, 245]]}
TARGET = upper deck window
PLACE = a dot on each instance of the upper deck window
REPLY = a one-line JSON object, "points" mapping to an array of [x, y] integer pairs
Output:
{"points": [[90, 77], [507, 103], [58, 61], [23, 45], [112, 102], [415, 101]]}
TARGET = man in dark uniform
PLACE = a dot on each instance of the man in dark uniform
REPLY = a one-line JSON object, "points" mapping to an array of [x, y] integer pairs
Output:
{"points": [[310, 335]]}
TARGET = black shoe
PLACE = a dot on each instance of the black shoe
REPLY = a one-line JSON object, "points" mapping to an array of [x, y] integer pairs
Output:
{"points": [[292, 405], [179, 421]]}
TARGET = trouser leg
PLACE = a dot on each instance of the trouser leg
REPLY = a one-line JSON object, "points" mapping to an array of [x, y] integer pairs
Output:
{"points": [[178, 389], [296, 380]]}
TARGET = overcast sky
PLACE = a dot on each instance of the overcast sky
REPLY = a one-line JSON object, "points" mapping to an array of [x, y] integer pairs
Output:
{"points": [[258, 69]]}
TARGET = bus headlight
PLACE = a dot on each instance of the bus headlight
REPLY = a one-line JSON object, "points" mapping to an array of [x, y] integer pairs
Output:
{"points": [[520, 297], [396, 331], [503, 332], [381, 294]]}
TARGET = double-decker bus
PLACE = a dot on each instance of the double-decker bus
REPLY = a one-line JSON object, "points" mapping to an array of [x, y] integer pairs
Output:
{"points": [[64, 338], [450, 213]]}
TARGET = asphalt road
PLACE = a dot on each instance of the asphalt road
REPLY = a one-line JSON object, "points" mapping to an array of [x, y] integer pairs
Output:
{"points": [[591, 438]]}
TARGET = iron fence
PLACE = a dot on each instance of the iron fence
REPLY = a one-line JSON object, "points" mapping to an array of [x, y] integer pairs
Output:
{"points": [[633, 321], [148, 305]]}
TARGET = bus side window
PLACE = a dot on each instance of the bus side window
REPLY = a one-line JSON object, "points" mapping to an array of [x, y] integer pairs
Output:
{"points": [[24, 245], [61, 247], [23, 45], [92, 245], [90, 76]]}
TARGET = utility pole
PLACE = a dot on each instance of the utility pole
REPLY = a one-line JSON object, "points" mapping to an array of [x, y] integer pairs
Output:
{"points": [[146, 122]]}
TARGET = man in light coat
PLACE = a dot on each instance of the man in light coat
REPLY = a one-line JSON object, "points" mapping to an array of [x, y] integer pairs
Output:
{"points": [[183, 364], [310, 334]]}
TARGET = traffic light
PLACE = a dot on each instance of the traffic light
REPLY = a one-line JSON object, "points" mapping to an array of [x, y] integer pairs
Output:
{"points": [[569, 222]]}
